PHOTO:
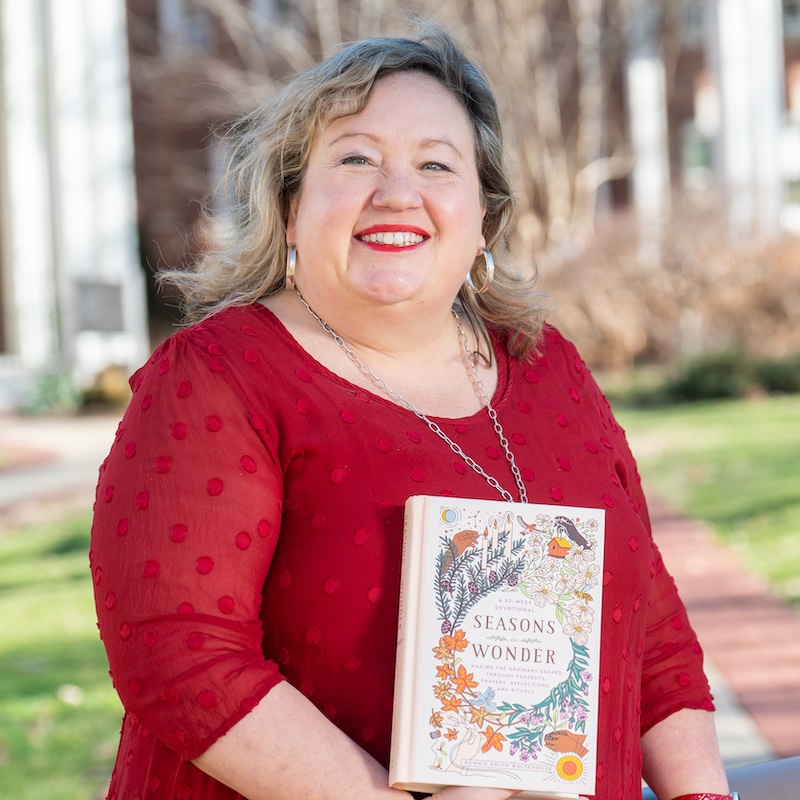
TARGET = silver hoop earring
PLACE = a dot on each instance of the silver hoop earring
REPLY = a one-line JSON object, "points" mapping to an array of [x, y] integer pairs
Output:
{"points": [[291, 263], [487, 281]]}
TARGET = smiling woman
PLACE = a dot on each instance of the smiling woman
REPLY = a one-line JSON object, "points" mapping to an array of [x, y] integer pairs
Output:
{"points": [[360, 337], [387, 224]]}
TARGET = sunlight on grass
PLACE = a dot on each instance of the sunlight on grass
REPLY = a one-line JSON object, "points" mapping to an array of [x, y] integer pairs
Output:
{"points": [[735, 465], [60, 715]]}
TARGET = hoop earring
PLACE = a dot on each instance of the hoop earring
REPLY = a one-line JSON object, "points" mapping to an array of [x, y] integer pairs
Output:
{"points": [[487, 281], [291, 263]]}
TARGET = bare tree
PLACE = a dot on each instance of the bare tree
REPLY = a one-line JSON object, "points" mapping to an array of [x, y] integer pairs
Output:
{"points": [[549, 61]]}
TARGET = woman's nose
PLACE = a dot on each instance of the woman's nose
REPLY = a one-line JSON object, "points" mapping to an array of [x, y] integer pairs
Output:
{"points": [[397, 190]]}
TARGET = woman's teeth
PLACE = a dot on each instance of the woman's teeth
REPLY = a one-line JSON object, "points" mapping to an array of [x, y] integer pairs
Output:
{"points": [[398, 238]]}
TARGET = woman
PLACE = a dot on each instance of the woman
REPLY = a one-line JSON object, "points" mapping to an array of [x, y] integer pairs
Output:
{"points": [[357, 345]]}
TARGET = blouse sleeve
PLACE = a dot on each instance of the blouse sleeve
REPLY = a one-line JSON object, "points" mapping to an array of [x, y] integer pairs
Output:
{"points": [[187, 517], [672, 660], [672, 669]]}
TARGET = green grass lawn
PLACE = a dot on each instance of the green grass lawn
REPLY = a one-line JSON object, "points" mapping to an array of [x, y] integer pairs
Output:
{"points": [[735, 465], [59, 716]]}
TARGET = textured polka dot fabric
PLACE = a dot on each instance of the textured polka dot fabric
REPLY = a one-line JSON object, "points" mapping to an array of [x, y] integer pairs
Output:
{"points": [[248, 529]]}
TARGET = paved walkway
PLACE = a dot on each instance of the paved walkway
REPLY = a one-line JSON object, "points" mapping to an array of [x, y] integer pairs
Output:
{"points": [[751, 638], [752, 641]]}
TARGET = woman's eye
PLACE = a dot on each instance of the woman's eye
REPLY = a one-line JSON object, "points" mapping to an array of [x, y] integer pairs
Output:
{"points": [[435, 166], [358, 160]]}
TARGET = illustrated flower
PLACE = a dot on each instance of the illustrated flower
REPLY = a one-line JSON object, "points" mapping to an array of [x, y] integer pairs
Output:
{"points": [[577, 630], [441, 690], [589, 574], [451, 704], [436, 719], [576, 559], [478, 715], [494, 739], [543, 593], [486, 699], [451, 734], [524, 755], [582, 610], [463, 680], [592, 525], [444, 671], [458, 641], [549, 568], [544, 521], [562, 586]]}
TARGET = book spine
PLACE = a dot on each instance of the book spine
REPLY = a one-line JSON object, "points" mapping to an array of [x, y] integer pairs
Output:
{"points": [[405, 699]]}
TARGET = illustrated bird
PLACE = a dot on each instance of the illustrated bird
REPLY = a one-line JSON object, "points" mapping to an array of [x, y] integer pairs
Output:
{"points": [[566, 527], [529, 528]]}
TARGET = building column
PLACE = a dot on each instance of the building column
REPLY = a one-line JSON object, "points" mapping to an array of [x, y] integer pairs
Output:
{"points": [[74, 296]]}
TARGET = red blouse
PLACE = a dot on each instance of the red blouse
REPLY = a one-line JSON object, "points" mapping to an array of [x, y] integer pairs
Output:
{"points": [[248, 529]]}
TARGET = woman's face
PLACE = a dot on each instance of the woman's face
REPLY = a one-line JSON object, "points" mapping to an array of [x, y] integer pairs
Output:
{"points": [[390, 209]]}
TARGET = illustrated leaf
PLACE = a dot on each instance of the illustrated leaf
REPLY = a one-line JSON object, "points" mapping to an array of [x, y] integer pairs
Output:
{"points": [[451, 704], [444, 671], [464, 680], [494, 739], [477, 715], [456, 642]]}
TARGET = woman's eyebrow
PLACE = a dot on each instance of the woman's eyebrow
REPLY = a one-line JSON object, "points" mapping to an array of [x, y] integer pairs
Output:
{"points": [[355, 135], [378, 139]]}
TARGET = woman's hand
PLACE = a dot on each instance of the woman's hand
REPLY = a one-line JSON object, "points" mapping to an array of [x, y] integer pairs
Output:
{"points": [[471, 793]]}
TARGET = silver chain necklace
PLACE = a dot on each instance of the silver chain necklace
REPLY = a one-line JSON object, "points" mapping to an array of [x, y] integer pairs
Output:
{"points": [[472, 370]]}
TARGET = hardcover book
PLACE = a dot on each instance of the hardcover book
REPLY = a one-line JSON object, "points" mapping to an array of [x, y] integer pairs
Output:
{"points": [[498, 647]]}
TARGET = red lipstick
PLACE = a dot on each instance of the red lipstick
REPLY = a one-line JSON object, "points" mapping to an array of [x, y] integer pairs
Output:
{"points": [[382, 247], [393, 228]]}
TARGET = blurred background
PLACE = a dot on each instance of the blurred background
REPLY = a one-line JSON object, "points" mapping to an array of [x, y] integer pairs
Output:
{"points": [[655, 146], [655, 143]]}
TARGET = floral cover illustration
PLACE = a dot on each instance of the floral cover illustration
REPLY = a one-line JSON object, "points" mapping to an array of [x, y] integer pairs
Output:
{"points": [[550, 566]]}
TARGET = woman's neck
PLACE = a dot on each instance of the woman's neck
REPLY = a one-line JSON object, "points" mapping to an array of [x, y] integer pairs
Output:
{"points": [[418, 355]]}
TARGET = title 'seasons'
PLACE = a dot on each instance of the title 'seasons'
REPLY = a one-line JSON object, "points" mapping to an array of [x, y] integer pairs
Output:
{"points": [[513, 624]]}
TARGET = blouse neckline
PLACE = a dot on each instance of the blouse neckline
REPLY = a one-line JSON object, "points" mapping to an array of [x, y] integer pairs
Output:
{"points": [[504, 377]]}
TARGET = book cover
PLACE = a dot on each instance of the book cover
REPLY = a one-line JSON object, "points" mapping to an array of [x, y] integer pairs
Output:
{"points": [[498, 647]]}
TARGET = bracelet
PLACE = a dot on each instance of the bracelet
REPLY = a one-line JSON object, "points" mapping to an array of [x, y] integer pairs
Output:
{"points": [[708, 796]]}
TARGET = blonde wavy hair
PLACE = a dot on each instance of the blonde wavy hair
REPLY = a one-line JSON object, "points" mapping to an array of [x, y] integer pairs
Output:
{"points": [[245, 258]]}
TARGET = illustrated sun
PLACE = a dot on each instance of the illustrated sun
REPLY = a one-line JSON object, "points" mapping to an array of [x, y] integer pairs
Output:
{"points": [[570, 768]]}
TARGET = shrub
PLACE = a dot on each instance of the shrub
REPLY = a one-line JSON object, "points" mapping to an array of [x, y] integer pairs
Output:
{"points": [[693, 294], [725, 375], [779, 376]]}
